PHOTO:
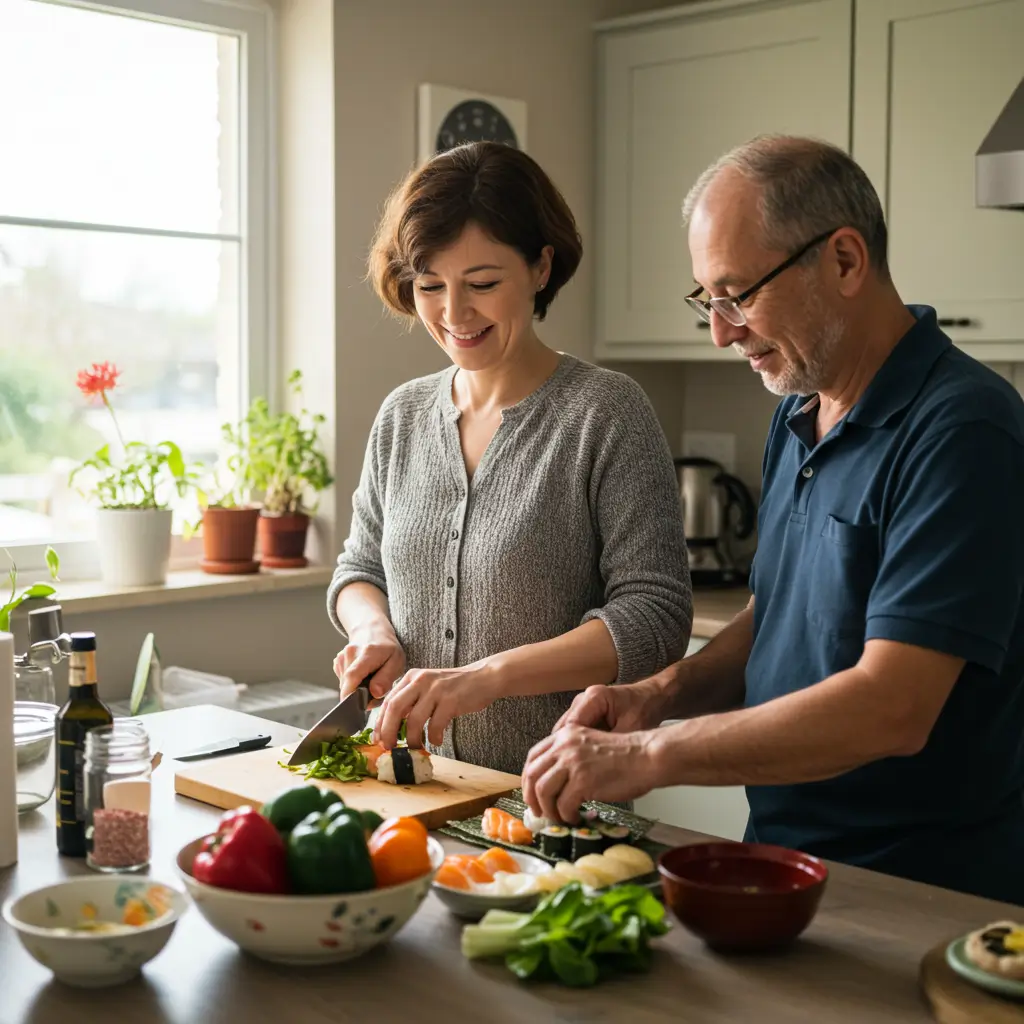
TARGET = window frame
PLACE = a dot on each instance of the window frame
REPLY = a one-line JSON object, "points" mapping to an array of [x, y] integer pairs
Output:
{"points": [[252, 23]]}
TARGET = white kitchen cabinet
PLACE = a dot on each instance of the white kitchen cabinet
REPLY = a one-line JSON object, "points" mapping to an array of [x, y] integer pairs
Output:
{"points": [[675, 94], [718, 811], [930, 78]]}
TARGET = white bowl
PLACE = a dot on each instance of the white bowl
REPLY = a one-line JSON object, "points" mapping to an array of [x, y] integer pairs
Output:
{"points": [[94, 959], [473, 905], [308, 929]]}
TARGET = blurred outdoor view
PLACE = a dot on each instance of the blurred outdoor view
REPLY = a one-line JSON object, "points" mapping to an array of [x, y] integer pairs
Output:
{"points": [[112, 128]]}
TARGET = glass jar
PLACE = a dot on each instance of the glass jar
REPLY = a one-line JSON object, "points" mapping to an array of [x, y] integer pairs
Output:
{"points": [[34, 753], [117, 796], [33, 681]]}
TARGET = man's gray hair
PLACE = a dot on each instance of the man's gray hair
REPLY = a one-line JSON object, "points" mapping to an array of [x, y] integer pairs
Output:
{"points": [[807, 187]]}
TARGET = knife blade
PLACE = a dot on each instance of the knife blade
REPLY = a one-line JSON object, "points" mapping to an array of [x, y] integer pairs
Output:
{"points": [[346, 718]]}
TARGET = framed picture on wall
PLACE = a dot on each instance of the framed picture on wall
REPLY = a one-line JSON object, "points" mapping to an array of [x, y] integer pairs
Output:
{"points": [[448, 117]]}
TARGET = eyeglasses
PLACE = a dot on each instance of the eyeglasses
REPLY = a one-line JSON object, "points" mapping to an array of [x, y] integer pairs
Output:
{"points": [[728, 306]]}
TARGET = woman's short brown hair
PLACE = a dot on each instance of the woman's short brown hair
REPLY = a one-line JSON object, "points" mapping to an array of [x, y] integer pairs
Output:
{"points": [[499, 188]]}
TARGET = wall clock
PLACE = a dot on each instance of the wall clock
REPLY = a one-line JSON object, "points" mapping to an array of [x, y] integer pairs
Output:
{"points": [[448, 117]]}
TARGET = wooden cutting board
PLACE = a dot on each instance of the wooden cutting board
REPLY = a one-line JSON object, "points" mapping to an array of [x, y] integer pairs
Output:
{"points": [[457, 791], [954, 1000]]}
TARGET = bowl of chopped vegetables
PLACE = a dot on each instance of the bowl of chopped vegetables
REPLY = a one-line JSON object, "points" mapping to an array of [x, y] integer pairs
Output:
{"points": [[307, 880]]}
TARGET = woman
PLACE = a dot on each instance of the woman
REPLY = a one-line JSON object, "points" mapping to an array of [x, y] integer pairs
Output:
{"points": [[516, 534]]}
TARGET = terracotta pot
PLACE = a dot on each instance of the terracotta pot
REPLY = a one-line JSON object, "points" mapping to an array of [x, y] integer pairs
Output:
{"points": [[283, 540], [229, 539]]}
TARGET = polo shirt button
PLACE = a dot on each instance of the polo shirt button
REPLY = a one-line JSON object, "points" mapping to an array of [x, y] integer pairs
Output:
{"points": [[449, 635], [807, 472], [451, 581], [455, 534]]}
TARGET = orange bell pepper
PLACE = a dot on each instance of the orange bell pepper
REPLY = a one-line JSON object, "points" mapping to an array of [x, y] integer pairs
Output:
{"points": [[398, 852]]}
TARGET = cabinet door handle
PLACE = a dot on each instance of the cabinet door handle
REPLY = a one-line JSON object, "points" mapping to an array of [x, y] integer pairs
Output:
{"points": [[958, 321]]}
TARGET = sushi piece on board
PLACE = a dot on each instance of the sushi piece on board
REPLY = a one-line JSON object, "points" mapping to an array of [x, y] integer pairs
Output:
{"points": [[555, 841], [499, 824], [589, 817], [613, 834], [586, 840], [404, 766], [536, 822]]}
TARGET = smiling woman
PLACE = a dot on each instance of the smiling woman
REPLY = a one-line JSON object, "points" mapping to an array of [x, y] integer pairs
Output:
{"points": [[516, 534]]}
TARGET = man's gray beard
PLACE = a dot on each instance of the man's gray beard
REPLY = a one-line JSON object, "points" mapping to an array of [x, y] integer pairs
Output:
{"points": [[809, 379]]}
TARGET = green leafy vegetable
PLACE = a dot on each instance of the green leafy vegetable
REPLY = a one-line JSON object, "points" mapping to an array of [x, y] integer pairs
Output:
{"points": [[338, 760], [575, 938]]}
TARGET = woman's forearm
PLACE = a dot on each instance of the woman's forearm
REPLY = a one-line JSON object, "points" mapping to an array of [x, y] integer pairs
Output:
{"points": [[363, 608], [585, 656]]}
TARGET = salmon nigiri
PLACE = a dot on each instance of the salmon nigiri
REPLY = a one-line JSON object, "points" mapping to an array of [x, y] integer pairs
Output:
{"points": [[499, 824]]}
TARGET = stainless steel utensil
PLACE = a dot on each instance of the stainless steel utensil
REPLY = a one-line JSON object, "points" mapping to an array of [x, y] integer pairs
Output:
{"points": [[345, 718]]}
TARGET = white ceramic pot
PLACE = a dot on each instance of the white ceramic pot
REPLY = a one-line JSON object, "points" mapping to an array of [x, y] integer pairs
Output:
{"points": [[134, 545]]}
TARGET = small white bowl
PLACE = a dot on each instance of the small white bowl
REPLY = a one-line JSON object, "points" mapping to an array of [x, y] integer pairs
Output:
{"points": [[94, 959], [308, 929], [473, 905]]}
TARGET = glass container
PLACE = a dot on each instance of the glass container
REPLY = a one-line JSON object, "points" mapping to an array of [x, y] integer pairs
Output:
{"points": [[117, 796], [33, 682], [34, 752]]}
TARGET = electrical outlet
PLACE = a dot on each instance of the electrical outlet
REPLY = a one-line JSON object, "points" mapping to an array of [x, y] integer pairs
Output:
{"points": [[711, 445]]}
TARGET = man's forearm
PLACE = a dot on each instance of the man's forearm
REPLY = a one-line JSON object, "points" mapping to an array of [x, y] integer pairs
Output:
{"points": [[712, 679]]}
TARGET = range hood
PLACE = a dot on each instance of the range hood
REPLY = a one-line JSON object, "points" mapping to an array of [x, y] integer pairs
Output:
{"points": [[999, 162]]}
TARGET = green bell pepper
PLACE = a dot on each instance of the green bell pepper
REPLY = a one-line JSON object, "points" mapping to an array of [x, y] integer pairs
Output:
{"points": [[327, 853], [290, 806], [371, 821]]}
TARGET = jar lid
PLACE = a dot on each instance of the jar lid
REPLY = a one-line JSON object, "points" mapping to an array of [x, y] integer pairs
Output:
{"points": [[33, 721]]}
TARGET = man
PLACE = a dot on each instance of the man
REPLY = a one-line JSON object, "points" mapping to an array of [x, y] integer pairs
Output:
{"points": [[870, 696]]}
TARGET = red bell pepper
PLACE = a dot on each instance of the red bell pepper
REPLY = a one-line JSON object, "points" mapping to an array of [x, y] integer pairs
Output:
{"points": [[246, 853]]}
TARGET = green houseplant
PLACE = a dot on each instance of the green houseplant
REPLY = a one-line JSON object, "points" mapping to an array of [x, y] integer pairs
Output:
{"points": [[287, 463], [132, 488]]}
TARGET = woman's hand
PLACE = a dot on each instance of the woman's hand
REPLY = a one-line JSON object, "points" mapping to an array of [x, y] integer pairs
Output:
{"points": [[373, 653], [435, 695]]}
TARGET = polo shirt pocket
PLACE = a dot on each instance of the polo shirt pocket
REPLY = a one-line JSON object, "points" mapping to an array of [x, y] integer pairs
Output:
{"points": [[844, 569]]}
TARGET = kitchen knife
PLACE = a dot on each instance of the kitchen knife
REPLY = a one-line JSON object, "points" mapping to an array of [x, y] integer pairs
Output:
{"points": [[344, 719], [233, 745]]}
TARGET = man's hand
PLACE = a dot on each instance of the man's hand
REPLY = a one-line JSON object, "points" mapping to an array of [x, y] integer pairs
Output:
{"points": [[576, 764], [625, 708]]}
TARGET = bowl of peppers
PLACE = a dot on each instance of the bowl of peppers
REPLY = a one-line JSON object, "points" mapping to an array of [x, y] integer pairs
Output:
{"points": [[306, 880]]}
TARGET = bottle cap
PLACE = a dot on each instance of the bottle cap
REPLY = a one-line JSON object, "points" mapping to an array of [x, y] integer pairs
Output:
{"points": [[83, 641]]}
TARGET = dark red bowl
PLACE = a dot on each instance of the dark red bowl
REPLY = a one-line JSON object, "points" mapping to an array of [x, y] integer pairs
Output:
{"points": [[742, 896]]}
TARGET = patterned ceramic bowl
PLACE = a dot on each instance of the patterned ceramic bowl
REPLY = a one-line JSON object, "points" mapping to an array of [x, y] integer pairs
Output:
{"points": [[96, 930], [308, 929]]}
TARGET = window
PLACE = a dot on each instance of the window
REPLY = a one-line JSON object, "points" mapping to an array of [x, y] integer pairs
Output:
{"points": [[133, 229]]}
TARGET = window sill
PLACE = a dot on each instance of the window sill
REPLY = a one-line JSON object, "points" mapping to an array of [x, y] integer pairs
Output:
{"points": [[189, 585]]}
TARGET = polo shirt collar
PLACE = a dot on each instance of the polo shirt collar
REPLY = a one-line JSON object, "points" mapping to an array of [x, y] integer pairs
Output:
{"points": [[903, 374]]}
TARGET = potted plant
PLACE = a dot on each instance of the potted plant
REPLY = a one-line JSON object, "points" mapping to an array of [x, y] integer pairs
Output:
{"points": [[229, 520], [132, 487], [289, 466]]}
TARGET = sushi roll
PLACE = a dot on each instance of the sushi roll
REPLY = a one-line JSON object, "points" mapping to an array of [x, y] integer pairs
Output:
{"points": [[405, 766], [590, 817], [555, 841], [584, 841], [612, 834]]}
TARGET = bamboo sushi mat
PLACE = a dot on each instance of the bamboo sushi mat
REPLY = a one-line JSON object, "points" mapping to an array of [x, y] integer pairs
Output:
{"points": [[471, 829]]}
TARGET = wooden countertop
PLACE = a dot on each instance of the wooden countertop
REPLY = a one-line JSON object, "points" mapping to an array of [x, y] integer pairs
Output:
{"points": [[714, 609], [856, 963]]}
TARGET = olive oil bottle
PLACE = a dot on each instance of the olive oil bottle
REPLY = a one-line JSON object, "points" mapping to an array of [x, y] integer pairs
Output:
{"points": [[83, 711]]}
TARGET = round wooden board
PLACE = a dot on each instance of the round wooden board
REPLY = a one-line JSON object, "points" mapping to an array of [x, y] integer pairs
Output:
{"points": [[954, 1000]]}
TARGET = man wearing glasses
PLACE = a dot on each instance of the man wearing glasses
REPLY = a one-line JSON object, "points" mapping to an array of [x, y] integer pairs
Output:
{"points": [[870, 696]]}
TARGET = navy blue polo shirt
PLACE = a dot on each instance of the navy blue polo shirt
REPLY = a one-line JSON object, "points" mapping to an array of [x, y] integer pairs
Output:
{"points": [[906, 522]]}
